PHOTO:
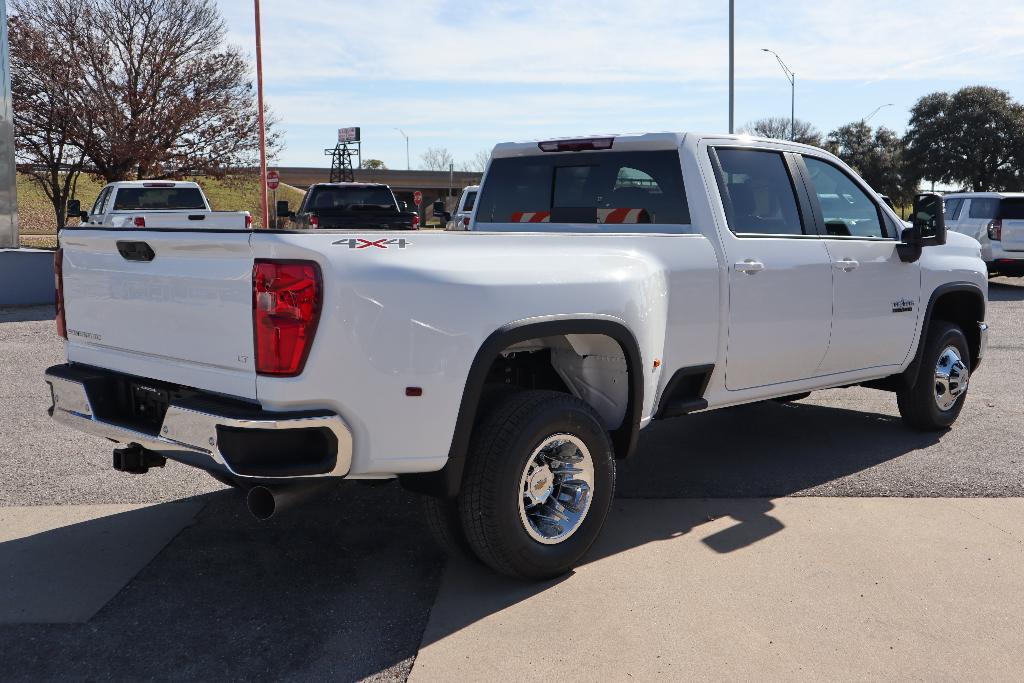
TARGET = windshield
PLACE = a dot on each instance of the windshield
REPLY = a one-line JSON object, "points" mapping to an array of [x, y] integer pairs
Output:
{"points": [[158, 198], [351, 198]]}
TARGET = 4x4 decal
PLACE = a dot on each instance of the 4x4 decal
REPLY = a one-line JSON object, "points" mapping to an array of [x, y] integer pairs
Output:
{"points": [[383, 243]]}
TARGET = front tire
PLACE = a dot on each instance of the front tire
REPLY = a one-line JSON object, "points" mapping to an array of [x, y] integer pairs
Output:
{"points": [[937, 395], [538, 485]]}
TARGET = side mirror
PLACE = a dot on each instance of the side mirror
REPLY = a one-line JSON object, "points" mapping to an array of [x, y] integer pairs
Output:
{"points": [[929, 219], [283, 211], [74, 209]]}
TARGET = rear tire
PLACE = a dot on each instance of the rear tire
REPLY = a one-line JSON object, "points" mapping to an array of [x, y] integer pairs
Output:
{"points": [[538, 484], [937, 395], [445, 524]]}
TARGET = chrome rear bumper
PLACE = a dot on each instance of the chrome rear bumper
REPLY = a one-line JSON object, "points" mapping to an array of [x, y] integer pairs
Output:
{"points": [[192, 434]]}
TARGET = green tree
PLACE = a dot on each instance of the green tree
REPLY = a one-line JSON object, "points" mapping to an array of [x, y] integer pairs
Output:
{"points": [[973, 138], [373, 165], [878, 156]]}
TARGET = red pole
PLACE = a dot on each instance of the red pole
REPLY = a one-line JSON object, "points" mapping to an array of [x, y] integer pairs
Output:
{"points": [[263, 131]]}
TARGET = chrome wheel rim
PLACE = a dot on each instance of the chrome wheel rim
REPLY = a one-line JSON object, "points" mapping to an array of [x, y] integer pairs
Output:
{"points": [[951, 376], [556, 489]]}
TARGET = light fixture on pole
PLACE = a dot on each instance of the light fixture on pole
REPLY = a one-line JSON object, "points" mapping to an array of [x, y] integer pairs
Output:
{"points": [[408, 166], [791, 77], [264, 212], [876, 110]]}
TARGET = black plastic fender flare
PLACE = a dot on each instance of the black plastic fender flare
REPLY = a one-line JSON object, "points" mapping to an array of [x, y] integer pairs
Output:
{"points": [[447, 481]]}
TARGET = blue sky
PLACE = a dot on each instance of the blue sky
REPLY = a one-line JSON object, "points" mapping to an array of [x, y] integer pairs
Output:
{"points": [[465, 75]]}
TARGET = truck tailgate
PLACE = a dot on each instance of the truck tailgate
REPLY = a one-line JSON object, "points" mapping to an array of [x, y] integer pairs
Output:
{"points": [[182, 316], [1013, 234]]}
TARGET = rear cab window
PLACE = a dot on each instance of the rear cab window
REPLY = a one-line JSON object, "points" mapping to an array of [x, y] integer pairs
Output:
{"points": [[469, 201], [613, 189], [158, 199], [352, 198], [1012, 209]]}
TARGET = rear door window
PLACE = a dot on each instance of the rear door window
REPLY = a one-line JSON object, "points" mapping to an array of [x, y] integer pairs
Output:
{"points": [[605, 188], [467, 205], [983, 207], [758, 193], [951, 208], [1012, 209]]}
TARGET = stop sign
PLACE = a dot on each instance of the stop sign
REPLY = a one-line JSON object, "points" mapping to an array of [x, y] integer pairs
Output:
{"points": [[273, 180], [417, 197]]}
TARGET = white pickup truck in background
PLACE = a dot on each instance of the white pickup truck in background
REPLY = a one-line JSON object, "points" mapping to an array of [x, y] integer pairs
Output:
{"points": [[156, 204], [606, 283]]}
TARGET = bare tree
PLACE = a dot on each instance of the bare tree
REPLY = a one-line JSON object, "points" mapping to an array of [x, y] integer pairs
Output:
{"points": [[479, 161], [43, 119], [777, 127], [153, 89], [436, 159]]}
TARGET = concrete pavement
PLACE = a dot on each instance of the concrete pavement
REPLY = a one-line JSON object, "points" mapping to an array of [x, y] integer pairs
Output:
{"points": [[805, 588]]}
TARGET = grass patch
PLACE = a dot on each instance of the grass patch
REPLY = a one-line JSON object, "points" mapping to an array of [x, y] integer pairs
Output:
{"points": [[234, 193]]}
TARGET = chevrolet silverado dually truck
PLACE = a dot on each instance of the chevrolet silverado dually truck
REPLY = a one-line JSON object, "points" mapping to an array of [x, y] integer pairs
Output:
{"points": [[501, 372], [156, 204]]}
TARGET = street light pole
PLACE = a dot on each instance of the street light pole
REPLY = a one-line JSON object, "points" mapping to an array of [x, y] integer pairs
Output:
{"points": [[791, 77], [408, 166], [876, 110], [732, 50]]}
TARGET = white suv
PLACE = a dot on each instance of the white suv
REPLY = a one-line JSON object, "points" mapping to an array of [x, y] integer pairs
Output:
{"points": [[996, 220]]}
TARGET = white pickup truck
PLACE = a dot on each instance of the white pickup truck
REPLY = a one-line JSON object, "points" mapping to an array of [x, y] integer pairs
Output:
{"points": [[502, 371], [156, 204]]}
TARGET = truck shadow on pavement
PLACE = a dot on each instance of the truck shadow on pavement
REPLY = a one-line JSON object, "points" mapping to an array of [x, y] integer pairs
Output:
{"points": [[343, 587]]}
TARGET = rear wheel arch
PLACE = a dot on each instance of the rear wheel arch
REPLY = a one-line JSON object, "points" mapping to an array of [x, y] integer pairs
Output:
{"points": [[447, 481]]}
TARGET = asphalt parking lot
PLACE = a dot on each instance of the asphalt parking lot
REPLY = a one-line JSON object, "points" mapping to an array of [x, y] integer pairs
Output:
{"points": [[344, 586]]}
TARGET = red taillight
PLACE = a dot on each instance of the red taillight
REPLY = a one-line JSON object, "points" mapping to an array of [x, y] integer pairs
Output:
{"points": [[415, 222], [465, 221], [576, 145], [248, 221], [139, 221], [58, 283], [995, 229], [314, 222], [286, 298]]}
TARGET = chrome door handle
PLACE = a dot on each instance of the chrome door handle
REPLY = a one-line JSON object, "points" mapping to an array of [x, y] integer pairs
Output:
{"points": [[846, 264], [749, 266]]}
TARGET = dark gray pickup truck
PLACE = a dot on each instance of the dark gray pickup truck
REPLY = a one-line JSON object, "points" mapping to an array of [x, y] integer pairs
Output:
{"points": [[361, 206]]}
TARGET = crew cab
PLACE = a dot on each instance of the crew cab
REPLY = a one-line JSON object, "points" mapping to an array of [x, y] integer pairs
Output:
{"points": [[502, 372], [364, 206], [156, 204], [996, 220]]}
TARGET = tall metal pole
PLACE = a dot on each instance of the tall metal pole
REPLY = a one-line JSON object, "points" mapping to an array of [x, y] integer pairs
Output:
{"points": [[264, 211], [791, 77], [792, 108], [408, 166], [732, 48]]}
